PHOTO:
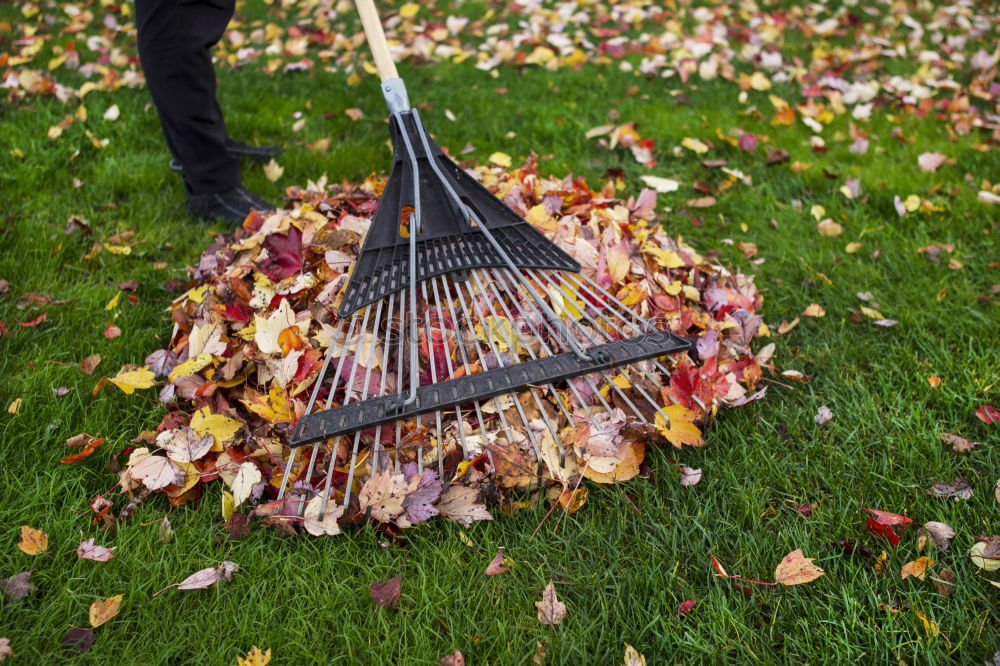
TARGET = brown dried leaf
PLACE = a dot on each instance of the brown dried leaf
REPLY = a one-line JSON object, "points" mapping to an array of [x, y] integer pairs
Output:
{"points": [[550, 609], [386, 592], [496, 566]]}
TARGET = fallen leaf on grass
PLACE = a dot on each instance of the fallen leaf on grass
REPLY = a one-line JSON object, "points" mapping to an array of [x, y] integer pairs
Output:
{"points": [[16, 587], [33, 541], [883, 522], [985, 554], [325, 525], [917, 568], [5, 649], [958, 489], [988, 415], [944, 581], [930, 628], [796, 569], [958, 443], [676, 424], [460, 503], [15, 406], [814, 310], [78, 639], [550, 609], [501, 159], [940, 532], [255, 657], [385, 593], [102, 611], [199, 580], [111, 331], [89, 363], [662, 185], [130, 378], [633, 657], [829, 228], [689, 476], [456, 658], [89, 444], [87, 550], [496, 566], [823, 414], [929, 162], [685, 607], [273, 170]]}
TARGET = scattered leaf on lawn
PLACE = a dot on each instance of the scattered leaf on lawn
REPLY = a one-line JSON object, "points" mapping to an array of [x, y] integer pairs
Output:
{"points": [[985, 554], [87, 550], [255, 657], [33, 541], [199, 580], [5, 649], [944, 581], [102, 611], [16, 587], [917, 568], [89, 363], [689, 476], [633, 657], [273, 170], [496, 566], [823, 414], [385, 593], [685, 607], [89, 444], [550, 609], [958, 443], [78, 639], [988, 415], [930, 628], [796, 569], [940, 532], [814, 310], [958, 489], [456, 658]]}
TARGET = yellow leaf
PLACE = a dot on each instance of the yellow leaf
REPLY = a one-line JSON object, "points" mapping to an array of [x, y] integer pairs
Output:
{"points": [[274, 408], [228, 504], [130, 380], [817, 212], [795, 569], [663, 256], [221, 428], [33, 541], [102, 611], [759, 82], [117, 249], [917, 567], [851, 248], [273, 170], [912, 203], [14, 407], [633, 657], [697, 145], [409, 10], [829, 228], [113, 303], [676, 423], [564, 301], [501, 159], [631, 293], [618, 262], [196, 295], [267, 330], [930, 628], [538, 217], [934, 381], [871, 313], [191, 366], [814, 310]]}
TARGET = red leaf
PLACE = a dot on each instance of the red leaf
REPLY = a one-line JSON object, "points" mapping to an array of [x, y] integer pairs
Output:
{"points": [[496, 566], [111, 331], [986, 413], [42, 317], [879, 529], [90, 447], [748, 142], [234, 311], [686, 606], [886, 518], [284, 254]]}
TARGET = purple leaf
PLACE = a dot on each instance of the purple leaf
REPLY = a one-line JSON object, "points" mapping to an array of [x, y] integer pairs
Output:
{"points": [[284, 254], [419, 504]]}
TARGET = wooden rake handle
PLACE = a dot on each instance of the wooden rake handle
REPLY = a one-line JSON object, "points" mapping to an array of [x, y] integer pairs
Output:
{"points": [[376, 39]]}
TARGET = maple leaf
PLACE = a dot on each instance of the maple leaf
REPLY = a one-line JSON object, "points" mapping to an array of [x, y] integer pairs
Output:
{"points": [[419, 502], [130, 378], [385, 593], [796, 569], [550, 609], [383, 494], [103, 610], [184, 445], [633, 657], [284, 254], [87, 550], [33, 541], [460, 503], [157, 472], [246, 477], [222, 428], [273, 170], [676, 424], [254, 657], [318, 525]]}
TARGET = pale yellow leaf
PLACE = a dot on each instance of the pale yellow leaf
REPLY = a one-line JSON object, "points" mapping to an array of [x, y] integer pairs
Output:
{"points": [[795, 569], [102, 611]]}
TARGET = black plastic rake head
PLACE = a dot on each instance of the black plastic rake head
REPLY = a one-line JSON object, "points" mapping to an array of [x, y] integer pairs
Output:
{"points": [[430, 197]]}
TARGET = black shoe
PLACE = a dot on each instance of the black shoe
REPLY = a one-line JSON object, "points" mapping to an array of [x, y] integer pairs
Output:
{"points": [[240, 149], [232, 205]]}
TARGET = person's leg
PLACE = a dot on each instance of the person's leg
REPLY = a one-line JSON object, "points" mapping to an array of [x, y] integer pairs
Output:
{"points": [[174, 42]]}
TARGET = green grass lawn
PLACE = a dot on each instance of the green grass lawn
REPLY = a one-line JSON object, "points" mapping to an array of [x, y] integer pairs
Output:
{"points": [[626, 560]]}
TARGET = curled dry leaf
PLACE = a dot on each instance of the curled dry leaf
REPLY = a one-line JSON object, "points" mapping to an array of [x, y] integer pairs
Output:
{"points": [[944, 581], [496, 565], [103, 610], [958, 443], [796, 569], [5, 649], [16, 587], [321, 517], [33, 541], [246, 477], [689, 476], [958, 489], [199, 580], [550, 609], [814, 310], [456, 658], [940, 532], [87, 550], [633, 657], [823, 414]]}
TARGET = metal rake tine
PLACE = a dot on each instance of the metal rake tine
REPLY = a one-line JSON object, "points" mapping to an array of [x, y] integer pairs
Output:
{"points": [[364, 396], [463, 355], [434, 379], [517, 404], [399, 376], [531, 390], [460, 421], [377, 443]]}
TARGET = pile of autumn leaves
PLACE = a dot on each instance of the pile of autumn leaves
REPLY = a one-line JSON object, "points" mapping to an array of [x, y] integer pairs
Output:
{"points": [[251, 331]]}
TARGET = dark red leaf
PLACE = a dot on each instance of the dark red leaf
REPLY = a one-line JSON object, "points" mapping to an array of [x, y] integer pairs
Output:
{"points": [[879, 529], [986, 413], [79, 639], [284, 254], [686, 606], [852, 548], [386, 592]]}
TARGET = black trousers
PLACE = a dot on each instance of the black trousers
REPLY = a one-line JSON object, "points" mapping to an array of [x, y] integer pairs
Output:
{"points": [[175, 38]]}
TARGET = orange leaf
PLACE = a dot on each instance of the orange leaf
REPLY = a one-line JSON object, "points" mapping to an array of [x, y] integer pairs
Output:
{"points": [[102, 611], [33, 541], [90, 447], [917, 567]]}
